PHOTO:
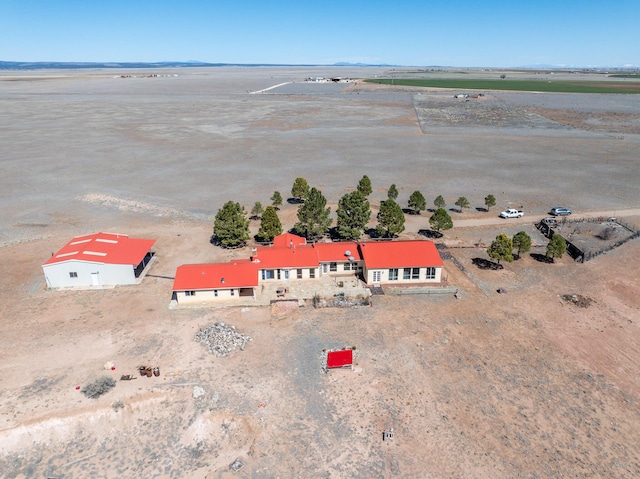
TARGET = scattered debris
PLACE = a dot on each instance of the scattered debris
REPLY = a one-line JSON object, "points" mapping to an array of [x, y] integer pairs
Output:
{"points": [[236, 465], [578, 300], [502, 291], [388, 435], [222, 339], [127, 377]]}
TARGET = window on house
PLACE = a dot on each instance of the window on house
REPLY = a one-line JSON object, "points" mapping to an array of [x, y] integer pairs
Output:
{"points": [[415, 273], [268, 274], [431, 273], [406, 273], [73, 274], [333, 266], [189, 293], [299, 274], [393, 274], [377, 276], [233, 292], [312, 273]]}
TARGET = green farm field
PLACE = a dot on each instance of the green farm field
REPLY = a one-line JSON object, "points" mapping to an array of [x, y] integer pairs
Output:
{"points": [[558, 86]]}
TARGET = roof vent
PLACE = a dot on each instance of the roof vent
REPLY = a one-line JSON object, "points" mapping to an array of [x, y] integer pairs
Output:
{"points": [[351, 258], [222, 280], [347, 253]]}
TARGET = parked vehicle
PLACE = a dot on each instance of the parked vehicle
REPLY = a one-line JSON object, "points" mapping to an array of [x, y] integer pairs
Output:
{"points": [[560, 211], [552, 222], [512, 213]]}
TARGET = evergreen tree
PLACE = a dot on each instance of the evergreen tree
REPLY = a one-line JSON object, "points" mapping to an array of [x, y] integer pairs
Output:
{"points": [[522, 241], [257, 210], [231, 226], [276, 200], [313, 215], [440, 220], [364, 186], [439, 202], [501, 249], [390, 219], [557, 247], [392, 192], [270, 226], [353, 215], [300, 189], [417, 202], [462, 202], [489, 201]]}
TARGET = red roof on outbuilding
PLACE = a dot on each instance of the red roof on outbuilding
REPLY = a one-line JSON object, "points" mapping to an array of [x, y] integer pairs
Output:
{"points": [[235, 274], [400, 254], [108, 248]]}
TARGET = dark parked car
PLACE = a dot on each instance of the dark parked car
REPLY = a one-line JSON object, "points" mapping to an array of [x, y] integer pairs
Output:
{"points": [[560, 211]]}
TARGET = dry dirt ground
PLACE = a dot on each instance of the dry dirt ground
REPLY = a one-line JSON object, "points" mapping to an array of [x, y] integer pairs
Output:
{"points": [[527, 383]]}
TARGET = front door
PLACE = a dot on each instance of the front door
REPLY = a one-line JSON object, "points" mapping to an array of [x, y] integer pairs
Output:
{"points": [[325, 268], [377, 276], [95, 279]]}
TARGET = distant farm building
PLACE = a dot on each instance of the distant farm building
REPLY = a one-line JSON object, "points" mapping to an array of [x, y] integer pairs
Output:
{"points": [[98, 260]]}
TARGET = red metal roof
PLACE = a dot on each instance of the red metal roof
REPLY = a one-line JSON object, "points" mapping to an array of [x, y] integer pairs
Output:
{"points": [[288, 240], [338, 251], [301, 256], [235, 274], [108, 248], [400, 254], [339, 359]]}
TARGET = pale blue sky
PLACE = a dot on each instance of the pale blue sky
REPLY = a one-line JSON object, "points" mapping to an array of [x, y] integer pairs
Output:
{"points": [[491, 33]]}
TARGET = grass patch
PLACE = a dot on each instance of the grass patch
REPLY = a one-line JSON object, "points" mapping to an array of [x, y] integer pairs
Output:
{"points": [[547, 86], [98, 387]]}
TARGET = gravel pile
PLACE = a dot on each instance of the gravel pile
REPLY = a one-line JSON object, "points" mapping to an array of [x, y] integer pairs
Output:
{"points": [[222, 339]]}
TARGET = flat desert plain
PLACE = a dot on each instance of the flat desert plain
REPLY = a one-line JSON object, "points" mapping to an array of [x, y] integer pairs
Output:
{"points": [[525, 384]]}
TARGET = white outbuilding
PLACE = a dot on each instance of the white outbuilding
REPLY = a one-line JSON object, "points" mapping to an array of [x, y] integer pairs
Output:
{"points": [[98, 260]]}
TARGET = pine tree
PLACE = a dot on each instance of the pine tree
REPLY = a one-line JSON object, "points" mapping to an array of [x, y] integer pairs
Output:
{"points": [[353, 214], [557, 247], [313, 215], [364, 186], [462, 202], [417, 202], [390, 219], [522, 241], [440, 220], [489, 201], [392, 192], [276, 200], [300, 189], [270, 226], [257, 210], [231, 226], [439, 202], [501, 249]]}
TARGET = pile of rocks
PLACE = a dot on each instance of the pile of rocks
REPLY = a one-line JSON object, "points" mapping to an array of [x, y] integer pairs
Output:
{"points": [[222, 339]]}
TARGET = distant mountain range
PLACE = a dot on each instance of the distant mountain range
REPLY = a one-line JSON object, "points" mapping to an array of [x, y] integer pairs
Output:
{"points": [[87, 65]]}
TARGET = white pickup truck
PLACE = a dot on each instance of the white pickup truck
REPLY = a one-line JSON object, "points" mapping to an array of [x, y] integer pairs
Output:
{"points": [[512, 213]]}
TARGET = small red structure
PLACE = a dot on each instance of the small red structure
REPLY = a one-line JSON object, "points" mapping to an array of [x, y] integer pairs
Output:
{"points": [[340, 359]]}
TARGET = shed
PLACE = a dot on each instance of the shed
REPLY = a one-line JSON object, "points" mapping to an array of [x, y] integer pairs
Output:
{"points": [[340, 359], [100, 259]]}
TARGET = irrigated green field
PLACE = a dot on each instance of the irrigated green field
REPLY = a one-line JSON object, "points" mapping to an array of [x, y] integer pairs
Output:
{"points": [[549, 86]]}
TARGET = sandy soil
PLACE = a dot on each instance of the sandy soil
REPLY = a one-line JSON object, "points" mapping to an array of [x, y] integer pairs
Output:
{"points": [[522, 384]]}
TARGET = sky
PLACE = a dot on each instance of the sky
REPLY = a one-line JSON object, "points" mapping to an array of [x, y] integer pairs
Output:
{"points": [[462, 33]]}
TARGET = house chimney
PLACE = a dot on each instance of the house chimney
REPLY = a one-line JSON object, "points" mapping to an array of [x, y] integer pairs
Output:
{"points": [[222, 280]]}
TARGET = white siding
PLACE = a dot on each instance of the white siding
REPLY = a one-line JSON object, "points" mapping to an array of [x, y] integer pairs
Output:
{"points": [[58, 275], [207, 296], [422, 276]]}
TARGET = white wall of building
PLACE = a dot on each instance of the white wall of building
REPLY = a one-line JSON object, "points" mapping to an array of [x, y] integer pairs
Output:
{"points": [[85, 274], [383, 276]]}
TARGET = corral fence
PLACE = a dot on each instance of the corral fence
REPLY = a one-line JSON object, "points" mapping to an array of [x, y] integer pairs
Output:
{"points": [[581, 256]]}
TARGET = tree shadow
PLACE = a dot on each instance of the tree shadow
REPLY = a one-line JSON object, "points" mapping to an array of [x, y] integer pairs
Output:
{"points": [[430, 233], [373, 233], [431, 210], [295, 201], [542, 258], [482, 263], [455, 210], [481, 209], [410, 211]]}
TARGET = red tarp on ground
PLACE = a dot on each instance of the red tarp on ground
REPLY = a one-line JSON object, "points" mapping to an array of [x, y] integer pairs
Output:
{"points": [[339, 359]]}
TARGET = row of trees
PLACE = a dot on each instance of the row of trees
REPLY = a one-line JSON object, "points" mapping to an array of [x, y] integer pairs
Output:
{"points": [[502, 247], [231, 227]]}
